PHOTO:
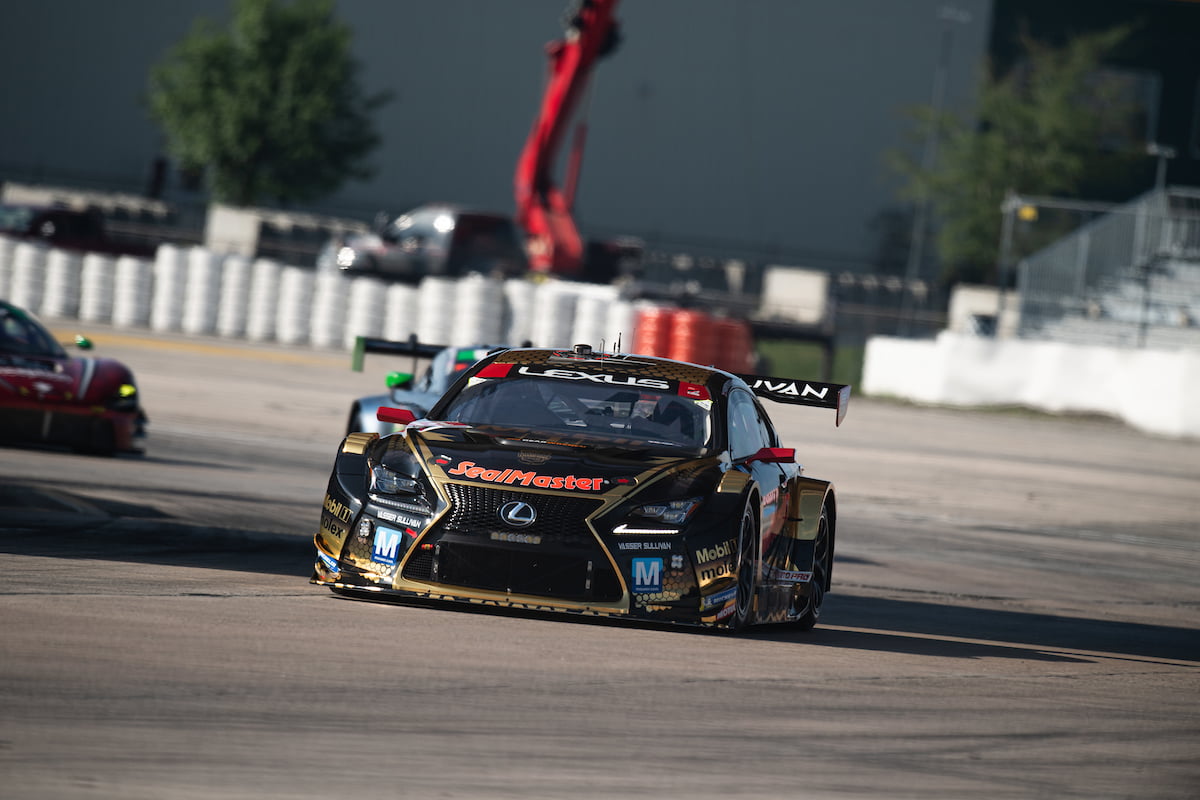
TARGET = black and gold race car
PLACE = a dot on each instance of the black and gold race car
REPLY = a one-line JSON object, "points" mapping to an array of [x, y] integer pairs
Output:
{"points": [[577, 481]]}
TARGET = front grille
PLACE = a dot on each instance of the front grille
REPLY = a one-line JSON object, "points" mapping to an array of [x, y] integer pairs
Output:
{"points": [[539, 574], [567, 563], [475, 510]]}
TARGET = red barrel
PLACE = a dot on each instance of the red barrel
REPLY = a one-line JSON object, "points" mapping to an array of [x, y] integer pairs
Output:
{"points": [[652, 334], [693, 337], [734, 345]]}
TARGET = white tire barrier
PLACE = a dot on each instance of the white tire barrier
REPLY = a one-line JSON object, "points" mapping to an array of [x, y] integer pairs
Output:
{"points": [[478, 312], [64, 271], [518, 304], [590, 323], [553, 316], [195, 291], [234, 304], [96, 288], [621, 326], [330, 302], [295, 305], [28, 276], [8, 250], [202, 291], [133, 292], [435, 310], [262, 309], [400, 314], [170, 268], [367, 310]]}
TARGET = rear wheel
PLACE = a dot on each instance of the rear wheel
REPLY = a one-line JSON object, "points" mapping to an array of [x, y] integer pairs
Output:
{"points": [[747, 543], [822, 565]]}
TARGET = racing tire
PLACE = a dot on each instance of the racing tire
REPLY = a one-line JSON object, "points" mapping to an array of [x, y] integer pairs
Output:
{"points": [[747, 544], [822, 567]]}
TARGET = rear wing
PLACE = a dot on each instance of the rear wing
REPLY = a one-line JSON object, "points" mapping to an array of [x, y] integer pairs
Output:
{"points": [[408, 347], [802, 393]]}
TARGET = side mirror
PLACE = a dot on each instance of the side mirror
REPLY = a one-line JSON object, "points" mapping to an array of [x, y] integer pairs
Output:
{"points": [[399, 380], [397, 416], [83, 343], [775, 455]]}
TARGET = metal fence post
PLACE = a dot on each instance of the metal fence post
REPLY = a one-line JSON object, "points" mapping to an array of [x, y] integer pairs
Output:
{"points": [[1009, 208]]}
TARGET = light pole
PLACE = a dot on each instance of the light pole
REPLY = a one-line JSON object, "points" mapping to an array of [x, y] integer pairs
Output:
{"points": [[916, 248], [1009, 208]]}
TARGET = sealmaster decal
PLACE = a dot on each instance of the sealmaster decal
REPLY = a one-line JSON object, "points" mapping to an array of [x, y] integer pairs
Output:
{"points": [[517, 477]]}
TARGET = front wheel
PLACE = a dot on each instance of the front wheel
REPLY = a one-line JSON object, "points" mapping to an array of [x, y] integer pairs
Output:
{"points": [[822, 565], [747, 567]]}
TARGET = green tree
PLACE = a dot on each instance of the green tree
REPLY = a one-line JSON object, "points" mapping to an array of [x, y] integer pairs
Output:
{"points": [[271, 108], [1049, 126]]}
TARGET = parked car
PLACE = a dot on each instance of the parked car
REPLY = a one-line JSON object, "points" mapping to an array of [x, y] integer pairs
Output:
{"points": [[438, 239], [48, 396], [66, 228]]}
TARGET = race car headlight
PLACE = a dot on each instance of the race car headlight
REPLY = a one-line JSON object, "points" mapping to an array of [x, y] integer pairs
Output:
{"points": [[385, 481], [672, 512], [125, 397]]}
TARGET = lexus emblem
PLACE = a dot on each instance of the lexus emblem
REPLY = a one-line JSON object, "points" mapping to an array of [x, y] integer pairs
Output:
{"points": [[518, 514]]}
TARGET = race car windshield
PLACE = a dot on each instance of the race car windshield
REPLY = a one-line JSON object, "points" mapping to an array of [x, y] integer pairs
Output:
{"points": [[589, 411], [21, 336]]}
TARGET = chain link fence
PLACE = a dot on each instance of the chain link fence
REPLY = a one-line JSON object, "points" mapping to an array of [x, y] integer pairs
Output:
{"points": [[1125, 275]]}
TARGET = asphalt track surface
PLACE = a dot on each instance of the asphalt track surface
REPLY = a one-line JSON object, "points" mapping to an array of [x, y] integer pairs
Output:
{"points": [[1016, 614]]}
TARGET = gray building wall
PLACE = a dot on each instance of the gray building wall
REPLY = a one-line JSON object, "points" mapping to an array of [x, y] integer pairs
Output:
{"points": [[761, 122]]}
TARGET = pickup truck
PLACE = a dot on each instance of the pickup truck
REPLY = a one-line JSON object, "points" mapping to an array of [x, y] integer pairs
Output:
{"points": [[67, 229]]}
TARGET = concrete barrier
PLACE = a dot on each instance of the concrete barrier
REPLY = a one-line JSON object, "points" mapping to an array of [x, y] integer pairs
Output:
{"points": [[1152, 390]]}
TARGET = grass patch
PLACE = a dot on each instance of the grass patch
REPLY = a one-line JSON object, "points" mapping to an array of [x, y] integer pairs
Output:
{"points": [[791, 359]]}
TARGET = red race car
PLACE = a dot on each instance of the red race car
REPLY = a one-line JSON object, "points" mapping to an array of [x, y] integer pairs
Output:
{"points": [[50, 397]]}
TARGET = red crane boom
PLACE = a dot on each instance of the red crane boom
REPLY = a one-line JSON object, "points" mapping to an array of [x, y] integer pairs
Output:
{"points": [[544, 210]]}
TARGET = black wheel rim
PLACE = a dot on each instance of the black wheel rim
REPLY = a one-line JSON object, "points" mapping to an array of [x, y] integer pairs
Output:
{"points": [[821, 554], [820, 577], [745, 574]]}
